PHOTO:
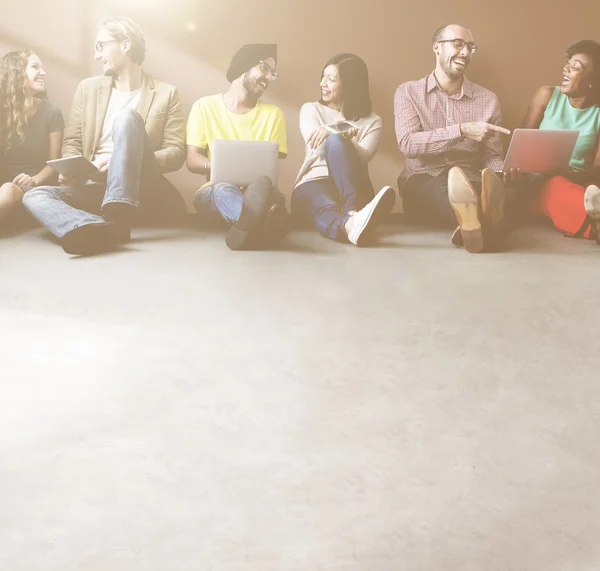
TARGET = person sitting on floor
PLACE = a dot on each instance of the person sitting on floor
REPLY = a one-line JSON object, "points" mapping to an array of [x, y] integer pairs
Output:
{"points": [[448, 128], [131, 126], [256, 214], [31, 128], [333, 188], [574, 104]]}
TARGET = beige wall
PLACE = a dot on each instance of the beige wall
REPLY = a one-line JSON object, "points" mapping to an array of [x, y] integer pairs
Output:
{"points": [[190, 42]]}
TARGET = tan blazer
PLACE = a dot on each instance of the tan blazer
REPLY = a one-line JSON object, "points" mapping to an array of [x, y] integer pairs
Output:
{"points": [[159, 107]]}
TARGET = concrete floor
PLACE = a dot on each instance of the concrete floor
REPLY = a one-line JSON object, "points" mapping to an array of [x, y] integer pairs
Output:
{"points": [[177, 406]]}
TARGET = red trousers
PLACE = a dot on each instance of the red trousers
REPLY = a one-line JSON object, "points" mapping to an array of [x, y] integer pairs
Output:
{"points": [[562, 201]]}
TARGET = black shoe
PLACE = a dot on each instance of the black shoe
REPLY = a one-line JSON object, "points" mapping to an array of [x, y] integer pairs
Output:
{"points": [[120, 212], [92, 239], [244, 232], [276, 225]]}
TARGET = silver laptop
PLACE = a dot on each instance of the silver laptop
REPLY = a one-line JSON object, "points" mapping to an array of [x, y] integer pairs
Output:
{"points": [[240, 162], [539, 151]]}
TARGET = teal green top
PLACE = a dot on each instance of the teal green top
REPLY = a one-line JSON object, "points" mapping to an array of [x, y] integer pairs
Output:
{"points": [[560, 114]]}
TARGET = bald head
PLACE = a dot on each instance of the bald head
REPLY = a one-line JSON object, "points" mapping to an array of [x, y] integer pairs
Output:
{"points": [[450, 31]]}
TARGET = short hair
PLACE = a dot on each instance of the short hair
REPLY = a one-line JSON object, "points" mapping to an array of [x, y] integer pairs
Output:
{"points": [[126, 29], [439, 33], [354, 79], [591, 49]]}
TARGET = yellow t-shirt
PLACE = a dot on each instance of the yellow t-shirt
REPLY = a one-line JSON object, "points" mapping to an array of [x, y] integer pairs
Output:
{"points": [[210, 119]]}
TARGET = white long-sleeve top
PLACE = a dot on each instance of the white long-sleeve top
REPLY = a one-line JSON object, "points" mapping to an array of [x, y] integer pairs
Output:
{"points": [[312, 116]]}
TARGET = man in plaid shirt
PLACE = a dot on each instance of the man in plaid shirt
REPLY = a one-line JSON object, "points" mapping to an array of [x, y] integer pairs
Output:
{"points": [[449, 130]]}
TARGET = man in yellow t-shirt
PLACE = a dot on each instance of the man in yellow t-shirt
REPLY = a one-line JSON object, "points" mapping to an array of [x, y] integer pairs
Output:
{"points": [[257, 216]]}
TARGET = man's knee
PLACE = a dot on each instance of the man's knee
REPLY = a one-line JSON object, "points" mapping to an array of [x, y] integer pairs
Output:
{"points": [[41, 192]]}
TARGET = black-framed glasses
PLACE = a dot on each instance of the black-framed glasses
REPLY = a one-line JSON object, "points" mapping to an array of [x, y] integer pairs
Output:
{"points": [[460, 44], [268, 70], [100, 45]]}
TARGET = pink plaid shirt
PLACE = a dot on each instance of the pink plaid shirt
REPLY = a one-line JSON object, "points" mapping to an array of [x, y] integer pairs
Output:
{"points": [[427, 127]]}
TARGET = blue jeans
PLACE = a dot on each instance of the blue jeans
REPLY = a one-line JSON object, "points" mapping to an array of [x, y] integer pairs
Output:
{"points": [[133, 178], [425, 198], [327, 201], [225, 200]]}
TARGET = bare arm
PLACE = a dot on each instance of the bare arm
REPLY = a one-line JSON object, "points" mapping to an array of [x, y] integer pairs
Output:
{"points": [[48, 173], [197, 160], [537, 107]]}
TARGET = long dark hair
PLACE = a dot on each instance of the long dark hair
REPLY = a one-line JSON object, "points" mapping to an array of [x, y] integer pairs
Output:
{"points": [[354, 79]]}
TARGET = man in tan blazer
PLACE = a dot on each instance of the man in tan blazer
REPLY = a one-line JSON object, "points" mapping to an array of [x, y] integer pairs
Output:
{"points": [[131, 126]]}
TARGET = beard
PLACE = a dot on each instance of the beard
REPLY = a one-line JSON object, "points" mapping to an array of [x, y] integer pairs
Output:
{"points": [[450, 71], [252, 86]]}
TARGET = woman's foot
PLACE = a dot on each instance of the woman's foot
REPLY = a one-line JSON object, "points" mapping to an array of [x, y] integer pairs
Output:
{"points": [[591, 201], [360, 227]]}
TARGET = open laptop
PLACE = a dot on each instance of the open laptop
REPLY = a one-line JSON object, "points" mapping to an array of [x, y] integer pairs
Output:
{"points": [[540, 151], [240, 162]]}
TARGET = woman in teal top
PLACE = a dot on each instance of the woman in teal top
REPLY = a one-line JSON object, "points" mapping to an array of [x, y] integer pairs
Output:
{"points": [[571, 197]]}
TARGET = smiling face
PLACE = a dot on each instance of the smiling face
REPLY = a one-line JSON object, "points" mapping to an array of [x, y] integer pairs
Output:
{"points": [[577, 75], [35, 75], [111, 53], [331, 87], [451, 60], [258, 78]]}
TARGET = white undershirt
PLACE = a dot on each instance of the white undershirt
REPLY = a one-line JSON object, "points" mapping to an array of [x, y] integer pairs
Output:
{"points": [[119, 100]]}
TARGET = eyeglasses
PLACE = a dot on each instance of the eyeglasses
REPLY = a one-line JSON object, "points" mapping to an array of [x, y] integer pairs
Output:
{"points": [[100, 45], [268, 70], [460, 44]]}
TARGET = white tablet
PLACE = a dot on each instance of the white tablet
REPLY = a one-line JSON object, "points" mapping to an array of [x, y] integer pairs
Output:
{"points": [[340, 128], [540, 151], [77, 167]]}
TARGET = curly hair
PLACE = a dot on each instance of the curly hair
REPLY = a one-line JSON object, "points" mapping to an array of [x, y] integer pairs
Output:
{"points": [[16, 100], [589, 48]]}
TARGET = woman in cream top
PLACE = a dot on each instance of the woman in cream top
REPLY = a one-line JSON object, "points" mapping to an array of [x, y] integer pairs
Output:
{"points": [[333, 188]]}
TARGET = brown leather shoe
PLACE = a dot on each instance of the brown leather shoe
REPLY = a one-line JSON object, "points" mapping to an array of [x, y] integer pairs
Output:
{"points": [[457, 239], [465, 203]]}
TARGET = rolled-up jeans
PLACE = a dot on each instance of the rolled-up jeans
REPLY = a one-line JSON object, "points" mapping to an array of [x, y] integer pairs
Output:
{"points": [[225, 200], [133, 179]]}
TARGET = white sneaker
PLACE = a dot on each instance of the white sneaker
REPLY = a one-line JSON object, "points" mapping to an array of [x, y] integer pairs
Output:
{"points": [[360, 226], [591, 201]]}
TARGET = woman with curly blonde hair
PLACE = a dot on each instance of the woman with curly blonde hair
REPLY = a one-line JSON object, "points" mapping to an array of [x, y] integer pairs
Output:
{"points": [[31, 128]]}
